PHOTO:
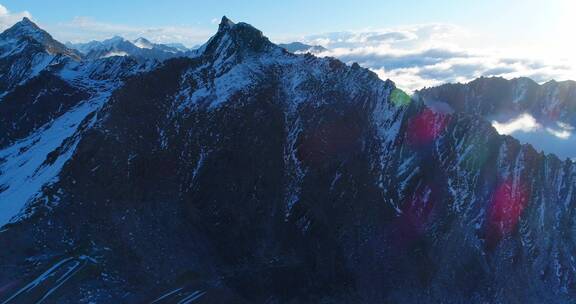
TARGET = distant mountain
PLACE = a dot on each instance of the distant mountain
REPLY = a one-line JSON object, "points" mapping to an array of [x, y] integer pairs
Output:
{"points": [[178, 46], [140, 48], [301, 48], [244, 173], [143, 43], [496, 96], [549, 109], [28, 30]]}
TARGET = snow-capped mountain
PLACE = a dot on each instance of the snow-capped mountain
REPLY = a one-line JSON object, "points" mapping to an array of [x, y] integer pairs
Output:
{"points": [[46, 94], [143, 43], [140, 48], [250, 174], [26, 50], [28, 30]]}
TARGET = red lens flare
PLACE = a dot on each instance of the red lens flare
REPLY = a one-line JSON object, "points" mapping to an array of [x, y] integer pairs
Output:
{"points": [[508, 202], [426, 127]]}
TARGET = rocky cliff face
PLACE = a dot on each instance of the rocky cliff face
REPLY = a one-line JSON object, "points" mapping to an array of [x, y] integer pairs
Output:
{"points": [[252, 175]]}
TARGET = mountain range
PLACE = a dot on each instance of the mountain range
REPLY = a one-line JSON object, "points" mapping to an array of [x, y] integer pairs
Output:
{"points": [[301, 48], [241, 172], [140, 48]]}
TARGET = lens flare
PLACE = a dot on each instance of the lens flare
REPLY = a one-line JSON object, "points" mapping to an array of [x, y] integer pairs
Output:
{"points": [[426, 127], [399, 98], [508, 202]]}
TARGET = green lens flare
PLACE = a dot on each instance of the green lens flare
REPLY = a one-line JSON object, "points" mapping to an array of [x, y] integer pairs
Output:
{"points": [[399, 98]]}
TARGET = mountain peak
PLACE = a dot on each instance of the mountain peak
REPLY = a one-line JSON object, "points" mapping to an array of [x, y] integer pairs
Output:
{"points": [[143, 43], [225, 24], [116, 38], [142, 39], [237, 37], [27, 20], [27, 29]]}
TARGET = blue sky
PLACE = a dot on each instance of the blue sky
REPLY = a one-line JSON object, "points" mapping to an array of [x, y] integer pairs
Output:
{"points": [[510, 19], [435, 41], [297, 15]]}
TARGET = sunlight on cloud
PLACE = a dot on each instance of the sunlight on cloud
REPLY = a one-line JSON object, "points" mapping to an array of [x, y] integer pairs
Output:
{"points": [[427, 55], [557, 138], [563, 130], [528, 124], [564, 134], [525, 123]]}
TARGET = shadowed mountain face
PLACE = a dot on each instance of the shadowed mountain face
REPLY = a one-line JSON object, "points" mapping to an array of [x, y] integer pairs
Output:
{"points": [[252, 175]]}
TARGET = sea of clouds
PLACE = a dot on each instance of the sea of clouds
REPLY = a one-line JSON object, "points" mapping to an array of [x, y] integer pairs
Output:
{"points": [[431, 54]]}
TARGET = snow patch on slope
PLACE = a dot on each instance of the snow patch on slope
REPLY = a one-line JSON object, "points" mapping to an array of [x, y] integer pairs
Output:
{"points": [[143, 43], [24, 169]]}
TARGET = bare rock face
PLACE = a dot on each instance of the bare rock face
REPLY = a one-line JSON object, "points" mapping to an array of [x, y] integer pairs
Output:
{"points": [[247, 174]]}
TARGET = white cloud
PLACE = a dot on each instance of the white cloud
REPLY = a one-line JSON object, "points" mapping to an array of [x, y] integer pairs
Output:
{"points": [[562, 130], [551, 138], [427, 55], [526, 123], [563, 134], [7, 18]]}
